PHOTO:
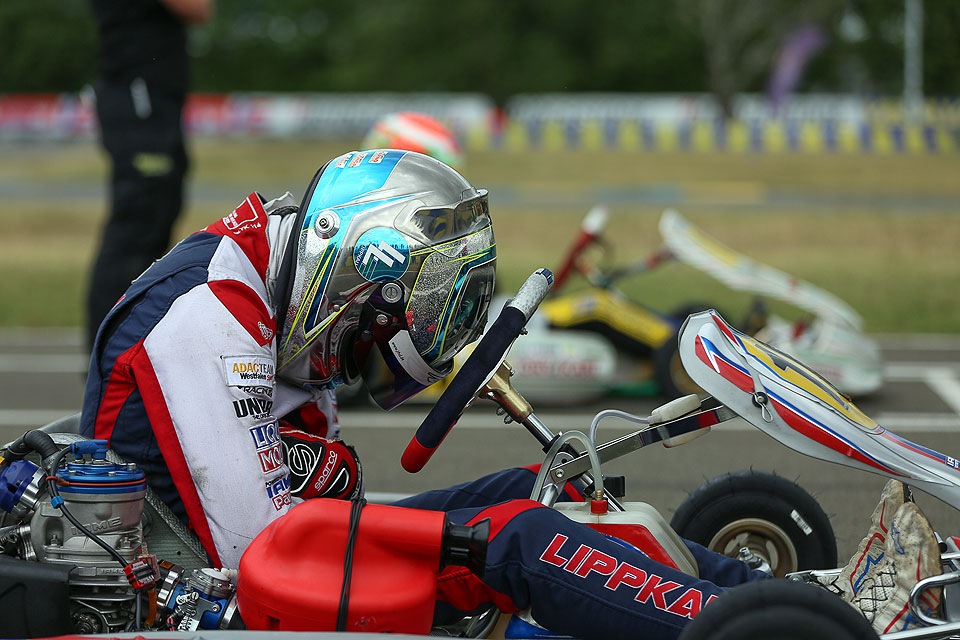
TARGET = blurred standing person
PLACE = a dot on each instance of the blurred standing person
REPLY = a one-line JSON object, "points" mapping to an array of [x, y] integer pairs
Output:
{"points": [[141, 89]]}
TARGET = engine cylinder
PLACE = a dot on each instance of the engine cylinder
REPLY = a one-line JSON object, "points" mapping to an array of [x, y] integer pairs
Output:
{"points": [[107, 499]]}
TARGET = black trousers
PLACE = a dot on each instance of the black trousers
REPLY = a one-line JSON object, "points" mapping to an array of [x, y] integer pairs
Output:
{"points": [[141, 131]]}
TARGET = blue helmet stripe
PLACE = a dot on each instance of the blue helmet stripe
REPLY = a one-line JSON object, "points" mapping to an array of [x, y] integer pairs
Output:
{"points": [[340, 185]]}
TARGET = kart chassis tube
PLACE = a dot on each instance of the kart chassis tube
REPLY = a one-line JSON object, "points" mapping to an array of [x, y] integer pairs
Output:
{"points": [[633, 441]]}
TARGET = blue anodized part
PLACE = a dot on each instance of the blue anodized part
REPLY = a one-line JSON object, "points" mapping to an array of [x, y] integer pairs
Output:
{"points": [[99, 476], [97, 448], [518, 628], [15, 477], [209, 619]]}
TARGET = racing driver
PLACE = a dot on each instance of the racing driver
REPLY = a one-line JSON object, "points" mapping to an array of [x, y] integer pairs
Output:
{"points": [[215, 373]]}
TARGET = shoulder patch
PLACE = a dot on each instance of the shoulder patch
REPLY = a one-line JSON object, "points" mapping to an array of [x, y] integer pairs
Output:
{"points": [[245, 371], [246, 225]]}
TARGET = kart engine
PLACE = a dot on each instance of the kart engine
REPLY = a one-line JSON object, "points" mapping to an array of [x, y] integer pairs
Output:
{"points": [[91, 528], [107, 499]]}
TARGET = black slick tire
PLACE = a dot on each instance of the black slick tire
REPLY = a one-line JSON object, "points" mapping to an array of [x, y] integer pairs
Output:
{"points": [[778, 610], [774, 517]]}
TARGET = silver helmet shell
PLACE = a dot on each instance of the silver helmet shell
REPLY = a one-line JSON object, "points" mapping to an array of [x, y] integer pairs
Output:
{"points": [[394, 254]]}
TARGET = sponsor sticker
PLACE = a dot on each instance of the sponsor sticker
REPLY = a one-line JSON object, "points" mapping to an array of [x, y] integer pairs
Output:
{"points": [[651, 589], [377, 157], [241, 217], [244, 371], [266, 442], [263, 392], [357, 159], [406, 354], [279, 492], [381, 253], [252, 407]]}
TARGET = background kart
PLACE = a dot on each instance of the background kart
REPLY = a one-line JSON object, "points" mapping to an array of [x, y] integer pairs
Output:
{"points": [[596, 341]]}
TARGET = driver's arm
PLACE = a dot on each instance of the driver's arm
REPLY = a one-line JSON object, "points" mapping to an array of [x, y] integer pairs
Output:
{"points": [[208, 384]]}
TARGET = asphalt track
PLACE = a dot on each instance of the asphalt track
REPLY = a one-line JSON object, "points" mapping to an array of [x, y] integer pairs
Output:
{"points": [[42, 374]]}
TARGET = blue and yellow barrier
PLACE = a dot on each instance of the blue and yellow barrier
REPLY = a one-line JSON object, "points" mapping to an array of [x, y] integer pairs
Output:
{"points": [[769, 136]]}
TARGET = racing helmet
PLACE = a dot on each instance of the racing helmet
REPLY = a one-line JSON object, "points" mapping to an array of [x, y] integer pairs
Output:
{"points": [[415, 132], [389, 271]]}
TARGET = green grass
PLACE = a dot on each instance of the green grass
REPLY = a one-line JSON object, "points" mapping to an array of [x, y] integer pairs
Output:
{"points": [[896, 263]]}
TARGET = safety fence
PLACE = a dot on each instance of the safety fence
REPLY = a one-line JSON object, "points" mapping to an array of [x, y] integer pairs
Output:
{"points": [[619, 122], [735, 136]]}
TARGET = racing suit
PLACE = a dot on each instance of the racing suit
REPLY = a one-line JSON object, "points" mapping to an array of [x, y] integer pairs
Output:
{"points": [[182, 382]]}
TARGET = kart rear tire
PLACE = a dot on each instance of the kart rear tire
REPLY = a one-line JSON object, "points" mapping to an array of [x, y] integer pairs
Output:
{"points": [[774, 517], [778, 610]]}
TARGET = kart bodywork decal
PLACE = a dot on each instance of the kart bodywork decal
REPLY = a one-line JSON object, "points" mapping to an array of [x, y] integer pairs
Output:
{"points": [[795, 418], [949, 461], [789, 402]]}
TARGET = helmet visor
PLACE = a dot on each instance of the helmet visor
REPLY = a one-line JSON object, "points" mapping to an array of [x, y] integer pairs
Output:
{"points": [[394, 369]]}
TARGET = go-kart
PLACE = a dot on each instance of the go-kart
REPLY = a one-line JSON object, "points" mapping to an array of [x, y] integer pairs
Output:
{"points": [[74, 557], [597, 341]]}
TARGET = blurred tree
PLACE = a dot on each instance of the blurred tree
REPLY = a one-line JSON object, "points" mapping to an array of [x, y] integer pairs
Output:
{"points": [[880, 52], [502, 49], [46, 45], [433, 45], [741, 38], [941, 74]]}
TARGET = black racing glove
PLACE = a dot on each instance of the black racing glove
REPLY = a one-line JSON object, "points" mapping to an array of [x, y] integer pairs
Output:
{"points": [[320, 468]]}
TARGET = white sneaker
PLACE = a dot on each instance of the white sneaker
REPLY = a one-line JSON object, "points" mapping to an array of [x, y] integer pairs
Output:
{"points": [[872, 546], [846, 583], [880, 577]]}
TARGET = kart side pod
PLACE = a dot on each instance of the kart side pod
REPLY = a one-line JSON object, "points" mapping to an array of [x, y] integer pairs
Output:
{"points": [[292, 574]]}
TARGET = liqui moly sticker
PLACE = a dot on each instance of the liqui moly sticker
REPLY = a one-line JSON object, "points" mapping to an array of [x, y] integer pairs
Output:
{"points": [[266, 441], [244, 371]]}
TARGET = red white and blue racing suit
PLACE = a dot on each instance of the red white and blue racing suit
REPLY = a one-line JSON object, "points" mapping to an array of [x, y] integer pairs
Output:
{"points": [[182, 382]]}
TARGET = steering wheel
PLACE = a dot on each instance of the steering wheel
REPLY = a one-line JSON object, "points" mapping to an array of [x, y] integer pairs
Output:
{"points": [[476, 371]]}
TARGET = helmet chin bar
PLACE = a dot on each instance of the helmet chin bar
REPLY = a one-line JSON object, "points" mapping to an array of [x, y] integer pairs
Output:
{"points": [[379, 322], [349, 369], [384, 354], [328, 362]]}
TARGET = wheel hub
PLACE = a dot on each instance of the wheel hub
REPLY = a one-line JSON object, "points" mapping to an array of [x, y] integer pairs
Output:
{"points": [[764, 539]]}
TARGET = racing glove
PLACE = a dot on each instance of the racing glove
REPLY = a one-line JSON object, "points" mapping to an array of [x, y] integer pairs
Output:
{"points": [[319, 467]]}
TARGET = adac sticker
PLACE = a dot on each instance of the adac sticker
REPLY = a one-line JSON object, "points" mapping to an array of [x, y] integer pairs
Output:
{"points": [[243, 371], [381, 254]]}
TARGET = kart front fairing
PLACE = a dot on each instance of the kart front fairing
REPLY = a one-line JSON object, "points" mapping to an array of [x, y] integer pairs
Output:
{"points": [[793, 404]]}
